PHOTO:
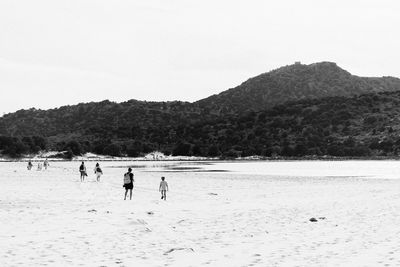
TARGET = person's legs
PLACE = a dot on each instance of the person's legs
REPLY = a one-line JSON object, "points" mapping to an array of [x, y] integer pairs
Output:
{"points": [[126, 192], [165, 194], [130, 194]]}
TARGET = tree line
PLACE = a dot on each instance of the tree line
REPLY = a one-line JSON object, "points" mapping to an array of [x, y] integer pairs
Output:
{"points": [[360, 126]]}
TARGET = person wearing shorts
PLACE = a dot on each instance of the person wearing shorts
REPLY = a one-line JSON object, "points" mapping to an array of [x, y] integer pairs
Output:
{"points": [[98, 172], [128, 183], [163, 188], [82, 170]]}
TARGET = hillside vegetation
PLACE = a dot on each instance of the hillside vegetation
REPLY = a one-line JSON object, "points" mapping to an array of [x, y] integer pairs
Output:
{"points": [[301, 119], [296, 82]]}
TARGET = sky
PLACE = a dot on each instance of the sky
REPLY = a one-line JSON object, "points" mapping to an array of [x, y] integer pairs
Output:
{"points": [[55, 53]]}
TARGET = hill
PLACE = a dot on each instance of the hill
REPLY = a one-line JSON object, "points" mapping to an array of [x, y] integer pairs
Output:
{"points": [[301, 118], [359, 126], [94, 126], [365, 125], [296, 82]]}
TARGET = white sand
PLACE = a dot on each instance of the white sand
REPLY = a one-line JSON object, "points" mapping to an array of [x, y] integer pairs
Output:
{"points": [[49, 218]]}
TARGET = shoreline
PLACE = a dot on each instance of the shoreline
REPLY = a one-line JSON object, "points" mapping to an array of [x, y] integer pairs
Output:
{"points": [[198, 159]]}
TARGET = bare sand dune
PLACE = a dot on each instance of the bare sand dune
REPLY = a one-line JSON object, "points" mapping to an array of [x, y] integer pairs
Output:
{"points": [[49, 218]]}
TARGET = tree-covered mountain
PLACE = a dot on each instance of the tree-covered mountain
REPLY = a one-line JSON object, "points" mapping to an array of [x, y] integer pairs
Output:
{"points": [[296, 82], [359, 126], [349, 123]]}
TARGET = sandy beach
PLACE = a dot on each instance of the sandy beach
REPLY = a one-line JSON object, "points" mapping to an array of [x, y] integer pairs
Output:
{"points": [[211, 217]]}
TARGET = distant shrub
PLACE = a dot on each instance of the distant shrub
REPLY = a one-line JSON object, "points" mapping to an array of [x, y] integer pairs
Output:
{"points": [[213, 151], [112, 150], [74, 147], [182, 149]]}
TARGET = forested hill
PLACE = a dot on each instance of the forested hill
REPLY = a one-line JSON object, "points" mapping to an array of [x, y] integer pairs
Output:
{"points": [[100, 118], [344, 125], [296, 82], [365, 125]]}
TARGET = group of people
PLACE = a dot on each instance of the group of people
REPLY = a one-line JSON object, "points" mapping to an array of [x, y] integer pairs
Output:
{"points": [[39, 166], [128, 180], [97, 171]]}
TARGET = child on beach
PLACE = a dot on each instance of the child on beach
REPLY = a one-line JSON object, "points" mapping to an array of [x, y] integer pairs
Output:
{"points": [[98, 172], [82, 170], [128, 182], [163, 188]]}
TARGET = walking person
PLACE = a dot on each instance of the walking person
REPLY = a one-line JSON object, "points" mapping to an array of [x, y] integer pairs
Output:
{"points": [[30, 165], [82, 170], [128, 183], [163, 188], [46, 164], [98, 172]]}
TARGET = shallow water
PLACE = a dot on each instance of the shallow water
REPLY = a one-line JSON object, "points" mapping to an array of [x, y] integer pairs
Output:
{"points": [[375, 169]]}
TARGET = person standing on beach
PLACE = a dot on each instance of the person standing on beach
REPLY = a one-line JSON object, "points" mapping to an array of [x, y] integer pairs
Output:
{"points": [[46, 164], [163, 188], [128, 183], [98, 172], [30, 165], [82, 170]]}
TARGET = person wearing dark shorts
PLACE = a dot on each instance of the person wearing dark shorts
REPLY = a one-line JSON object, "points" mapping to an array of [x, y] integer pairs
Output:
{"points": [[82, 170], [128, 183]]}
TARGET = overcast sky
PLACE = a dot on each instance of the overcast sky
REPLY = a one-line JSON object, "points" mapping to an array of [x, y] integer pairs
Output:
{"points": [[54, 52]]}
